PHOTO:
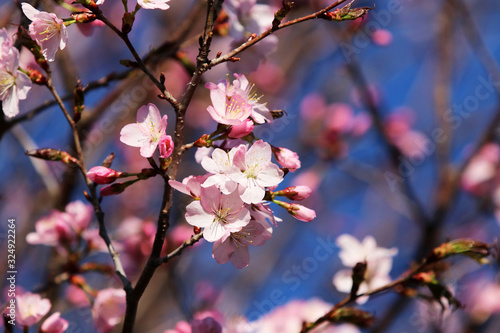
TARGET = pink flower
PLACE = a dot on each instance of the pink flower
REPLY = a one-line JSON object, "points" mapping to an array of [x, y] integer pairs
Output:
{"points": [[229, 105], [485, 301], [297, 193], [147, 132], [102, 175], [109, 308], [166, 146], [31, 308], [153, 4], [79, 215], [52, 230], [233, 246], [217, 213], [14, 84], [378, 259], [190, 185], [287, 158], [301, 213], [254, 171], [47, 29], [54, 324], [220, 165], [239, 131]]}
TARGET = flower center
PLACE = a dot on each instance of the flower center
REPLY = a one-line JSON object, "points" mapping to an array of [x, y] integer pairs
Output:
{"points": [[7, 81], [221, 215], [51, 30], [234, 107]]}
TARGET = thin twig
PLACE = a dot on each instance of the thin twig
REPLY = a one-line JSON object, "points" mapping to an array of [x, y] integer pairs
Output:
{"points": [[190, 242]]}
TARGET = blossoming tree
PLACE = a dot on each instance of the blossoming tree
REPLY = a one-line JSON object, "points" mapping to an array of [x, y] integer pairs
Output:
{"points": [[112, 226]]}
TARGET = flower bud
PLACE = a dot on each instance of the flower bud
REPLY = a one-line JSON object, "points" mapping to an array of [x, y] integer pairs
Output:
{"points": [[166, 146], [296, 193], [102, 175], [476, 250], [36, 77], [83, 17], [298, 211], [116, 188], [287, 158], [239, 131], [50, 154]]}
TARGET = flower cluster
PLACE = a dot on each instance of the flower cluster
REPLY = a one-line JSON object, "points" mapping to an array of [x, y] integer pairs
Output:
{"points": [[230, 199], [14, 84]]}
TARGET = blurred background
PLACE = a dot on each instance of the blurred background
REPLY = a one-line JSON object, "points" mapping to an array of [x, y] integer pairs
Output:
{"points": [[394, 117]]}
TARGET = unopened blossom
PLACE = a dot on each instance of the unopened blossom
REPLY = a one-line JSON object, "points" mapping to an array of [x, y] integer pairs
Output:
{"points": [[148, 130], [218, 213], [300, 212], [14, 84], [233, 246], [255, 171], [220, 165], [239, 131], [47, 29], [31, 308], [102, 175], [287, 158], [109, 308], [378, 260], [296, 193], [154, 4], [166, 146], [54, 324]]}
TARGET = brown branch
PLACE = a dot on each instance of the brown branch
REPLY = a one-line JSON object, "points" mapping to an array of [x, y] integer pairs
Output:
{"points": [[177, 252]]}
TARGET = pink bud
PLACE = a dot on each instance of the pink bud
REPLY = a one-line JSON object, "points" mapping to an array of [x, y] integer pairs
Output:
{"points": [[166, 146], [287, 158], [102, 175], [302, 213], [239, 131], [113, 189], [54, 324], [295, 192]]}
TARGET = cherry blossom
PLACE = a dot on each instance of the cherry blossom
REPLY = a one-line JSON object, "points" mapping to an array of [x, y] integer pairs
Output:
{"points": [[220, 165], [47, 29], [31, 308], [153, 4], [229, 105], [147, 132], [14, 84], [255, 171], [217, 213], [102, 175], [239, 131], [378, 259], [233, 246], [287, 158], [54, 324], [52, 230], [109, 308], [190, 185]]}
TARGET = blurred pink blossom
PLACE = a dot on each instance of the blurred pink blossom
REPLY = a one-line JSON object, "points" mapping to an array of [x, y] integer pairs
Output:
{"points": [[481, 169], [378, 259], [382, 37], [154, 4], [485, 301], [31, 308], [52, 230], [76, 296], [54, 324], [108, 309], [233, 246]]}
